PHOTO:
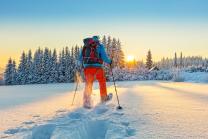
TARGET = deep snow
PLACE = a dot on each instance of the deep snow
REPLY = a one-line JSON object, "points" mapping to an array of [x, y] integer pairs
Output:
{"points": [[152, 109]]}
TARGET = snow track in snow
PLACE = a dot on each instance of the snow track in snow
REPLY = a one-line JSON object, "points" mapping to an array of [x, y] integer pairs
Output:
{"points": [[102, 122]]}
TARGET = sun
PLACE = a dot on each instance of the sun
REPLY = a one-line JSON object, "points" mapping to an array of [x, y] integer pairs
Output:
{"points": [[130, 58]]}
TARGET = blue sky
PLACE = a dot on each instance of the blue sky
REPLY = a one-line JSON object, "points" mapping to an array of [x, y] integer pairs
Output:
{"points": [[51, 10], [164, 26]]}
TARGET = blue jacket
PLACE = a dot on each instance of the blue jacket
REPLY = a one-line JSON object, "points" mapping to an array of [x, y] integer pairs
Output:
{"points": [[104, 57]]}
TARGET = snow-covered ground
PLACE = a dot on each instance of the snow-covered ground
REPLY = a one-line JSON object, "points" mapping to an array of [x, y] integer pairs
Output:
{"points": [[196, 77], [151, 109]]}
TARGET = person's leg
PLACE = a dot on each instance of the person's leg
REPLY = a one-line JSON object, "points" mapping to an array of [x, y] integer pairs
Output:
{"points": [[89, 77], [100, 76]]}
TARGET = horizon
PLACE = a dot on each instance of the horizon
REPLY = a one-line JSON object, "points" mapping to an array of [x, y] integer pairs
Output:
{"points": [[164, 27], [128, 58]]}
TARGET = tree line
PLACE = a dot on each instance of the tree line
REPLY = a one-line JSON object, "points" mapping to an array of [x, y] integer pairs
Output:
{"points": [[177, 61], [182, 62], [49, 66]]}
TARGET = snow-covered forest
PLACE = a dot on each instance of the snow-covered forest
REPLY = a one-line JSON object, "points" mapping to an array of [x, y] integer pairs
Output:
{"points": [[191, 63], [176, 68], [49, 66]]}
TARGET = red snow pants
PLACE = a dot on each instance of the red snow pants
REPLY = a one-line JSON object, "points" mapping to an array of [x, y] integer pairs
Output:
{"points": [[92, 73]]}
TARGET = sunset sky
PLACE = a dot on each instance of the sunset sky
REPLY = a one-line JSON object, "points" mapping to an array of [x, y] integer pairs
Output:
{"points": [[164, 26]]}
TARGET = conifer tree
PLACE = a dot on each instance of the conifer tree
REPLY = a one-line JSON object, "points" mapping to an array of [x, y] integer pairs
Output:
{"points": [[149, 60], [29, 67], [114, 53], [109, 47], [175, 61], [73, 64], [121, 55], [10, 73], [181, 60], [68, 69], [53, 70], [38, 66], [14, 72], [21, 76], [46, 66], [62, 67]]}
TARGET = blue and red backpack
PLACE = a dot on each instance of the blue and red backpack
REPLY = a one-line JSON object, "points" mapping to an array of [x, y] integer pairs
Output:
{"points": [[90, 55]]}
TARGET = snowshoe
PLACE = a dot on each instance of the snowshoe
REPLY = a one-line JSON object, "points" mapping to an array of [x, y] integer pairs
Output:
{"points": [[107, 98]]}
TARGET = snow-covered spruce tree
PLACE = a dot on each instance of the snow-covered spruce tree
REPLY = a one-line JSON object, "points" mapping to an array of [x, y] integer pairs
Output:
{"points": [[10, 73], [175, 61], [114, 53], [149, 62], [76, 52], [68, 65], [14, 81], [121, 62], [181, 60], [73, 69], [46, 66], [77, 64], [38, 66], [21, 72], [109, 47], [29, 68], [54, 68], [61, 67]]}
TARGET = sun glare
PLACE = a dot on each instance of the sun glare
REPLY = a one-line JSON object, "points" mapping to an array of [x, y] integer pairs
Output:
{"points": [[130, 58]]}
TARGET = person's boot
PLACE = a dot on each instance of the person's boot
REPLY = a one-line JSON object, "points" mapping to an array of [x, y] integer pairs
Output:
{"points": [[87, 102], [106, 98]]}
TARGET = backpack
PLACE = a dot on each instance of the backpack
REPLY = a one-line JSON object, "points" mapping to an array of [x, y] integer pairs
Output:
{"points": [[90, 54]]}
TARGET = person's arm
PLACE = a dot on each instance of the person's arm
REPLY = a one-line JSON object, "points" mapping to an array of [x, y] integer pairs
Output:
{"points": [[104, 55]]}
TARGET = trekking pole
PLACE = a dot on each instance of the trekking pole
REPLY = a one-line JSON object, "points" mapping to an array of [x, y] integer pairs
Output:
{"points": [[114, 82], [75, 91]]}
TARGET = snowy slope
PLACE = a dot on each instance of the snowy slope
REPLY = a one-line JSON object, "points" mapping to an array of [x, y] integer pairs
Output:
{"points": [[151, 110]]}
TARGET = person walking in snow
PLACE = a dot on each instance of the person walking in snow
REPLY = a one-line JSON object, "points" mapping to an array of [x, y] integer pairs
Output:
{"points": [[92, 57]]}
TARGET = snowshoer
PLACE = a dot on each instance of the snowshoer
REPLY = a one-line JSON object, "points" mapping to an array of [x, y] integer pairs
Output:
{"points": [[92, 57]]}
